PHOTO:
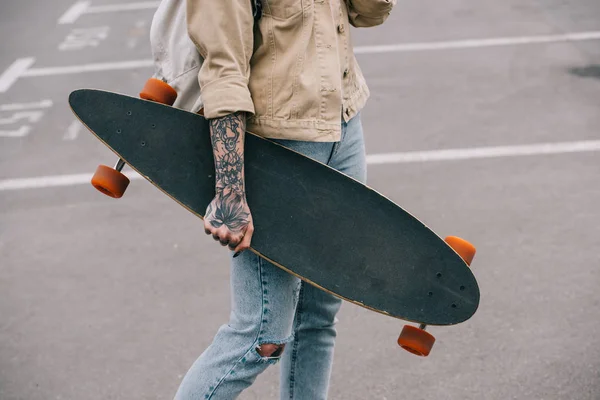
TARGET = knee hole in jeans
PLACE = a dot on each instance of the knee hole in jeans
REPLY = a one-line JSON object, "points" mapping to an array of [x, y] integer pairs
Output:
{"points": [[270, 350]]}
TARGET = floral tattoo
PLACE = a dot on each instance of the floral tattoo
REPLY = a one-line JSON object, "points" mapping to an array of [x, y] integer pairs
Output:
{"points": [[230, 212], [227, 135]]}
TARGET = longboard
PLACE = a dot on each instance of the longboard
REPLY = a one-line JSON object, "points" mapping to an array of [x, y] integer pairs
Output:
{"points": [[311, 220]]}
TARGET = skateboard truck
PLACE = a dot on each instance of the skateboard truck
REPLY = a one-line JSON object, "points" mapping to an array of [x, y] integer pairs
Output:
{"points": [[417, 340], [111, 181], [119, 165]]}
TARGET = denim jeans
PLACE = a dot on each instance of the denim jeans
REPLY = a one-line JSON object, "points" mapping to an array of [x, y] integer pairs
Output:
{"points": [[271, 306]]}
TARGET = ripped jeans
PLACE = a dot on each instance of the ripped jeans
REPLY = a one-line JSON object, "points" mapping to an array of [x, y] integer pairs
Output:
{"points": [[271, 306]]}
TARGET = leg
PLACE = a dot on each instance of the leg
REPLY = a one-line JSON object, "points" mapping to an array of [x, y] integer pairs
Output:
{"points": [[263, 302], [306, 363]]}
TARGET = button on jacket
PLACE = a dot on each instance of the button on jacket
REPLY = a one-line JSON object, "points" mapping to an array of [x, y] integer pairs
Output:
{"points": [[294, 72]]}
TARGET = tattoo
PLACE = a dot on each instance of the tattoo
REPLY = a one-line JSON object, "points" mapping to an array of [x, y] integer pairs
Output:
{"points": [[227, 135], [227, 140], [230, 212]]}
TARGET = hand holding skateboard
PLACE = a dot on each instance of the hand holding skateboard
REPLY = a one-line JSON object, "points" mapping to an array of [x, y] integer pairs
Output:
{"points": [[229, 221]]}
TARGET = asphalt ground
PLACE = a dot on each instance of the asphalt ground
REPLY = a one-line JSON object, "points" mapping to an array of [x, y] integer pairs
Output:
{"points": [[105, 299]]}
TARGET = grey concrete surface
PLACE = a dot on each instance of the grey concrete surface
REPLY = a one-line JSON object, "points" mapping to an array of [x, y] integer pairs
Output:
{"points": [[105, 299]]}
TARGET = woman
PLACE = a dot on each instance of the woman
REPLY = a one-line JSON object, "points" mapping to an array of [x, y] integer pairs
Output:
{"points": [[290, 76]]}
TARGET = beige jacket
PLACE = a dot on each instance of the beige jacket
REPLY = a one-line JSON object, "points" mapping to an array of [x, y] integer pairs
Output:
{"points": [[296, 73]]}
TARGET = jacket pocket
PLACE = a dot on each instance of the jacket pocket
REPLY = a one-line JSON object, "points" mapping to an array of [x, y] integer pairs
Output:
{"points": [[279, 72], [283, 9]]}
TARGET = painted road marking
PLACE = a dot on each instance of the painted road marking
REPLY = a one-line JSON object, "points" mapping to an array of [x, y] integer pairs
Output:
{"points": [[373, 159], [52, 181], [137, 33], [14, 72], [77, 69], [73, 130], [30, 116], [484, 152], [85, 7], [21, 67], [107, 8], [475, 43], [19, 133], [74, 12], [23, 112], [26, 106], [81, 38]]}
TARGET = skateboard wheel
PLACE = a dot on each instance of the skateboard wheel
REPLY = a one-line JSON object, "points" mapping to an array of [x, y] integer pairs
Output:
{"points": [[416, 341], [464, 249], [158, 91], [110, 181]]}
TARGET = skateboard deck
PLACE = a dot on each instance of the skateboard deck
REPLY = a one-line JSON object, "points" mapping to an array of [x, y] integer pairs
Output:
{"points": [[311, 220]]}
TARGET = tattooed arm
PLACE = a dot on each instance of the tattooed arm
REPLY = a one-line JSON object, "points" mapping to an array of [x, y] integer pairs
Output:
{"points": [[228, 217], [223, 34]]}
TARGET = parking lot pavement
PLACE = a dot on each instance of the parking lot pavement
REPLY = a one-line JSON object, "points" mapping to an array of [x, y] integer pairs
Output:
{"points": [[483, 122]]}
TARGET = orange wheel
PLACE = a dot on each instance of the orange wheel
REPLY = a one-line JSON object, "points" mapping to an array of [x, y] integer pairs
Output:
{"points": [[464, 249], [110, 181], [416, 341], [158, 91]]}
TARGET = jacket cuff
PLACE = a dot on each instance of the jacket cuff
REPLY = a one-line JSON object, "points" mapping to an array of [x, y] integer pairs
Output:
{"points": [[360, 21], [373, 9], [226, 96]]}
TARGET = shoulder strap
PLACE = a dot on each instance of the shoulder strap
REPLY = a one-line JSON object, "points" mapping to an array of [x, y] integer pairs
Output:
{"points": [[256, 9]]}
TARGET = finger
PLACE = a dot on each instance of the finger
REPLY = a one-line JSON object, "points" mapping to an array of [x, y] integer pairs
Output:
{"points": [[234, 243], [236, 240], [207, 227], [223, 235], [245, 243]]}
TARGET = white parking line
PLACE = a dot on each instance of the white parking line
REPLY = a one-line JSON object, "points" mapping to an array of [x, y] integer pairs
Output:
{"points": [[41, 182], [26, 106], [14, 72], [373, 159], [145, 5], [485, 152], [77, 69], [73, 130], [85, 7], [21, 67], [474, 43], [74, 12]]}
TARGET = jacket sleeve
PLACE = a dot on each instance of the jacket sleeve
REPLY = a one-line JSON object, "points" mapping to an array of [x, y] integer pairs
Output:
{"points": [[367, 13], [223, 34]]}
